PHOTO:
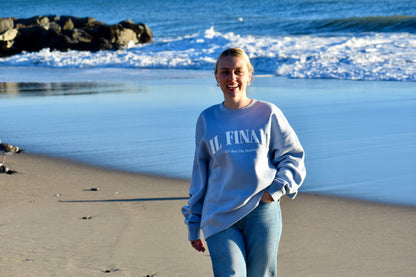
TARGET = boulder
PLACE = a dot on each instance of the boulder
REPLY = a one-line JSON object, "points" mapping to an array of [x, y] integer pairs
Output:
{"points": [[62, 43], [34, 38], [79, 35], [66, 24], [9, 35], [7, 40], [144, 34], [68, 32], [6, 24], [80, 23], [27, 22], [127, 37], [121, 36], [54, 26]]}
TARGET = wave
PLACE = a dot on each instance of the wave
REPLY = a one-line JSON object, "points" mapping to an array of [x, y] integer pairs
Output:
{"points": [[396, 23], [370, 56], [336, 25]]}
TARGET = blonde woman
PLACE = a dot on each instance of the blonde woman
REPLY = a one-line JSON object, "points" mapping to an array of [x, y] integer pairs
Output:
{"points": [[247, 157]]}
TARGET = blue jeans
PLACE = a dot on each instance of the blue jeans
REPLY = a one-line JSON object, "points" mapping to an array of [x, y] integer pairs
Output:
{"points": [[249, 247]]}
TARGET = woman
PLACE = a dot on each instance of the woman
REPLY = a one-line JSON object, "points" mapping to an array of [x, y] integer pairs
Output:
{"points": [[247, 156]]}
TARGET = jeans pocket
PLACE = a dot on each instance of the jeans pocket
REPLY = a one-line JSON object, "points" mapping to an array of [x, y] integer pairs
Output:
{"points": [[266, 203]]}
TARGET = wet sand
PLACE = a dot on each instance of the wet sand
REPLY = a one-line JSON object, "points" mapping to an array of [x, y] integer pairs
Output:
{"points": [[53, 224]]}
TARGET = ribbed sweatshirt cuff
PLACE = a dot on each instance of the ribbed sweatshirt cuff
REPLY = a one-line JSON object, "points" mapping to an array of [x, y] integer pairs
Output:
{"points": [[193, 233]]}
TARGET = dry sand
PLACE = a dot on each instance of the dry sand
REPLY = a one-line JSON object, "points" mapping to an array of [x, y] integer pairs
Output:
{"points": [[52, 224]]}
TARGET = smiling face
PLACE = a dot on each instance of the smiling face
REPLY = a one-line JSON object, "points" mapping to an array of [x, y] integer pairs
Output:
{"points": [[233, 76]]}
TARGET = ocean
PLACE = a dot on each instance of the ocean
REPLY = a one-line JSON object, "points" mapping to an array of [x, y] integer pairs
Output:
{"points": [[330, 39], [343, 72]]}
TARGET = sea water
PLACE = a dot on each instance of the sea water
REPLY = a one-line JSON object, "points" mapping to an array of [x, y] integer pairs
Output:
{"points": [[135, 109], [355, 40]]}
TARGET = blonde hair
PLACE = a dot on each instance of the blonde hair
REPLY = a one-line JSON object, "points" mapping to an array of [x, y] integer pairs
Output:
{"points": [[235, 52]]}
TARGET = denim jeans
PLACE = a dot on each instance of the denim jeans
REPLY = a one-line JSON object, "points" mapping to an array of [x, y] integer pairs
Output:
{"points": [[249, 247]]}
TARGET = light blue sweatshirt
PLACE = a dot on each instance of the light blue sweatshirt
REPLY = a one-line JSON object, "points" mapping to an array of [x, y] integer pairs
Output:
{"points": [[239, 154]]}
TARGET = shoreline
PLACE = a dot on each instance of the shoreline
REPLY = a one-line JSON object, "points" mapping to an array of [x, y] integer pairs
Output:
{"points": [[52, 222], [341, 124]]}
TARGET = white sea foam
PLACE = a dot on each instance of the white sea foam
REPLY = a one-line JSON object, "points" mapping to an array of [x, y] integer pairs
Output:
{"points": [[370, 56]]}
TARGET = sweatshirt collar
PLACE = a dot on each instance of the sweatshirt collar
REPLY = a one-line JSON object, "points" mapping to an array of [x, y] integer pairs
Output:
{"points": [[225, 109]]}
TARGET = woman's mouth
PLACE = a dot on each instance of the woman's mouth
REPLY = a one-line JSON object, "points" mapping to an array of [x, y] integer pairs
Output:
{"points": [[232, 86]]}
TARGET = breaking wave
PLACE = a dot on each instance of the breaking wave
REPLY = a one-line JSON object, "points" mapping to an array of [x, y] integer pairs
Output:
{"points": [[365, 56]]}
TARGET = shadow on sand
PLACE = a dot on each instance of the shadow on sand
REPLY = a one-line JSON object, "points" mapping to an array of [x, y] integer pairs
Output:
{"points": [[126, 200]]}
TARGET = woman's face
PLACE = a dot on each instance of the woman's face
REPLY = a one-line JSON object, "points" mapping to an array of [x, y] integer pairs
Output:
{"points": [[233, 76]]}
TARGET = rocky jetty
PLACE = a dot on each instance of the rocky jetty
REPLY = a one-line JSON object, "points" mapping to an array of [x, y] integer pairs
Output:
{"points": [[68, 32]]}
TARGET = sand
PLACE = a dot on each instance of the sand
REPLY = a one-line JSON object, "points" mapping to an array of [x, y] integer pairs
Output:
{"points": [[53, 224]]}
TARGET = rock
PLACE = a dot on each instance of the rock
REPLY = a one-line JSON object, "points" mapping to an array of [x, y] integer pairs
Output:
{"points": [[127, 37], [68, 32], [110, 270], [55, 27], [26, 22], [4, 169], [121, 36], [144, 34], [54, 18], [61, 43], [9, 35], [78, 35], [6, 24], [34, 38], [81, 23], [8, 148], [66, 23]]}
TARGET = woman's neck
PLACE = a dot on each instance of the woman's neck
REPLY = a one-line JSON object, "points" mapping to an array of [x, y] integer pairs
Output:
{"points": [[234, 105]]}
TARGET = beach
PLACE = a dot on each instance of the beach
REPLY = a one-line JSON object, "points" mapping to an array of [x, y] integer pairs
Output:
{"points": [[109, 136], [53, 224]]}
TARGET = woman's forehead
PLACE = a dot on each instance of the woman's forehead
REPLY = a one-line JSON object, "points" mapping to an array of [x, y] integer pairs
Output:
{"points": [[232, 62]]}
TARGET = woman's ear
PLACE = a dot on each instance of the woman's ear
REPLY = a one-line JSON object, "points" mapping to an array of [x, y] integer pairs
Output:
{"points": [[216, 79]]}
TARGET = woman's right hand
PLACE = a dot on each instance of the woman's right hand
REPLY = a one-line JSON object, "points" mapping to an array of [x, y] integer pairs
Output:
{"points": [[266, 197], [198, 245]]}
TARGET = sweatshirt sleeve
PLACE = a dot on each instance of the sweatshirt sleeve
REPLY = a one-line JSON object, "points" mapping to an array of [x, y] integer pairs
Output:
{"points": [[288, 157], [192, 212]]}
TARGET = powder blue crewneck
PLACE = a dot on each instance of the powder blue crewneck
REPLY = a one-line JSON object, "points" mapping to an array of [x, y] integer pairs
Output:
{"points": [[239, 154]]}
